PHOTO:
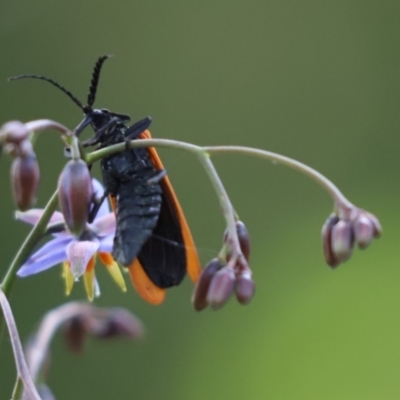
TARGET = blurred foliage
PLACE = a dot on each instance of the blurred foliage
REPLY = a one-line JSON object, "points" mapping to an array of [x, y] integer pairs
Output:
{"points": [[317, 81]]}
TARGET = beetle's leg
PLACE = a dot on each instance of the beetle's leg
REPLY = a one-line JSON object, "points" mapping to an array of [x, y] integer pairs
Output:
{"points": [[157, 178], [96, 207], [96, 138], [136, 129]]}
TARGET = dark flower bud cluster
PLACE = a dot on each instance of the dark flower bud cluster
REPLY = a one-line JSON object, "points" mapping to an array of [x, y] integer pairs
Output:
{"points": [[25, 168], [340, 234], [75, 194], [219, 280]]}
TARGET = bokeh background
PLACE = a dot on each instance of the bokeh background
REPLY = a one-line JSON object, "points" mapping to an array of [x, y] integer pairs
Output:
{"points": [[314, 80]]}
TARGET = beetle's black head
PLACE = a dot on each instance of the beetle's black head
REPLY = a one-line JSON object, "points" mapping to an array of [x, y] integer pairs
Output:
{"points": [[97, 118]]}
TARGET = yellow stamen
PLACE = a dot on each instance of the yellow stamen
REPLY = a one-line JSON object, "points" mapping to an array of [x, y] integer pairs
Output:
{"points": [[69, 278], [88, 278], [113, 269]]}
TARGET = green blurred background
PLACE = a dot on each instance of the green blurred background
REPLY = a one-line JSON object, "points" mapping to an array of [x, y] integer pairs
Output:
{"points": [[314, 80]]}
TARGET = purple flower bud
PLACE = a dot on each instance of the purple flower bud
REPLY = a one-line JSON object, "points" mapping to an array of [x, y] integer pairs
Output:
{"points": [[15, 132], [244, 240], [376, 224], [24, 181], [119, 323], [199, 297], [330, 258], [363, 230], [75, 332], [342, 240], [221, 288], [245, 288], [75, 194]]}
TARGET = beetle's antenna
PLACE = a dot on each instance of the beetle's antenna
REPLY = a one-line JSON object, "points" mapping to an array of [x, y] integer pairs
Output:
{"points": [[54, 83], [95, 80]]}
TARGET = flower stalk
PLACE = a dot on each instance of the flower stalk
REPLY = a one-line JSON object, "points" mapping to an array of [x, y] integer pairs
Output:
{"points": [[22, 368], [26, 248]]}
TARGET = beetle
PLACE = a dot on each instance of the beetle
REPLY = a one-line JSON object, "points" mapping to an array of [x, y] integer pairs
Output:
{"points": [[152, 238]]}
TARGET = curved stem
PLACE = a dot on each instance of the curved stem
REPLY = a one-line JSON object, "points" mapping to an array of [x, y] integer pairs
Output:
{"points": [[227, 208], [92, 321], [324, 182], [22, 368], [38, 349], [29, 243], [42, 124]]}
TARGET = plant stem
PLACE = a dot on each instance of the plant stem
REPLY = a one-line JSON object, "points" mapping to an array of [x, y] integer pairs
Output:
{"points": [[17, 391], [22, 368], [324, 182], [26, 248], [29, 243], [226, 206]]}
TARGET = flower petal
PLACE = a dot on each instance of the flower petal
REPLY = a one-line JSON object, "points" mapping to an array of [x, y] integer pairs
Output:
{"points": [[79, 255], [104, 225], [113, 269], [33, 215], [69, 279], [99, 192], [106, 244], [89, 278], [53, 246], [52, 253]]}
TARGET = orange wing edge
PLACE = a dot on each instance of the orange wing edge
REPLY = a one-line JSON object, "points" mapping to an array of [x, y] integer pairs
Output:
{"points": [[193, 267]]}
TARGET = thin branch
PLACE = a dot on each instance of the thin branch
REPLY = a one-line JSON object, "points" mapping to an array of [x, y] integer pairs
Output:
{"points": [[324, 182], [227, 209], [17, 391], [94, 322], [23, 253], [22, 368], [38, 350], [34, 236]]}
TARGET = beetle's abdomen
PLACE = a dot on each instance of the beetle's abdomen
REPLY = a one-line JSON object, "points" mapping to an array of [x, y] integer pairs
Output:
{"points": [[138, 209]]}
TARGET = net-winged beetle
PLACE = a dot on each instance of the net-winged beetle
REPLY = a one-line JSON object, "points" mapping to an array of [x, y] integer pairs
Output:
{"points": [[152, 237]]}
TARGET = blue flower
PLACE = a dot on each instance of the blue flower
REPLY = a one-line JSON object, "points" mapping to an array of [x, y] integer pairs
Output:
{"points": [[77, 254]]}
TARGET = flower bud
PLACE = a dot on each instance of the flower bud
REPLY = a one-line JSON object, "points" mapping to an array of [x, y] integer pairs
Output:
{"points": [[245, 288], [330, 258], [363, 230], [376, 224], [342, 240], [14, 132], [75, 194], [75, 332], [120, 323], [199, 297], [244, 240], [221, 288], [24, 181]]}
